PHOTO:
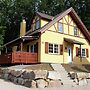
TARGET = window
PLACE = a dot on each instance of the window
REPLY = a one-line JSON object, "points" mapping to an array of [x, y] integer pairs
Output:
{"points": [[28, 48], [75, 31], [59, 27], [83, 52], [53, 48], [32, 48], [38, 24], [33, 27]]}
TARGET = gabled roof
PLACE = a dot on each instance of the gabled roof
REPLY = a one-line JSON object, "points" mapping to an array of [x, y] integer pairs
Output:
{"points": [[45, 16], [74, 16]]}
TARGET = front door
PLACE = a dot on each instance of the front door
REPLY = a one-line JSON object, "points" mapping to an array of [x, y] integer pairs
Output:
{"points": [[69, 54]]}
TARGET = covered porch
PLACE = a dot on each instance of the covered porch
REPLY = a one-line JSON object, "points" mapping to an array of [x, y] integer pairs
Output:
{"points": [[19, 56]]}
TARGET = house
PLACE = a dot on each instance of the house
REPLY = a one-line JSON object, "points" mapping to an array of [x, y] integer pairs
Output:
{"points": [[59, 39]]}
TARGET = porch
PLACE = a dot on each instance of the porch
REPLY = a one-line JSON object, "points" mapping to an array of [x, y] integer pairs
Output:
{"points": [[18, 57]]}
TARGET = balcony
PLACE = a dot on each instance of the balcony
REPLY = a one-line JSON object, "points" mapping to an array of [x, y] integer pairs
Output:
{"points": [[18, 57]]}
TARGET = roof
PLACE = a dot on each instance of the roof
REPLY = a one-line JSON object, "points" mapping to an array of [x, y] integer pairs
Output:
{"points": [[74, 16], [73, 41], [42, 15]]}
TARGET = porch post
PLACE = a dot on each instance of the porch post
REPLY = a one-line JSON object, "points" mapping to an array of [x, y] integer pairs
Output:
{"points": [[21, 49], [80, 54]]}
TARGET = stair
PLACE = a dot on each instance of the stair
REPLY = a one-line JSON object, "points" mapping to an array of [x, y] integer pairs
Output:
{"points": [[64, 74]]}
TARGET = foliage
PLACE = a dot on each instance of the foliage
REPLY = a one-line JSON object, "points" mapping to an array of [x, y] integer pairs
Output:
{"points": [[12, 12]]}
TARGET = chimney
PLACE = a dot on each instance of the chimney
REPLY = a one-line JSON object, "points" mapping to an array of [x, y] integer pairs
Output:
{"points": [[23, 28]]}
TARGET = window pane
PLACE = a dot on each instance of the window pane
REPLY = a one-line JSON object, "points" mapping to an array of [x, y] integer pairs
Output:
{"points": [[38, 24], [55, 48], [75, 31], [79, 51], [83, 52], [59, 27], [50, 48]]}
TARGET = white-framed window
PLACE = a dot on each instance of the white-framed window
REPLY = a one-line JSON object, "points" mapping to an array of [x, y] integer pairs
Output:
{"points": [[60, 27], [38, 24], [83, 52], [75, 31], [53, 48], [32, 48]]}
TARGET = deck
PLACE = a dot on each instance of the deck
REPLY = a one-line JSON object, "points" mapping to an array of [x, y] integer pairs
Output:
{"points": [[18, 57]]}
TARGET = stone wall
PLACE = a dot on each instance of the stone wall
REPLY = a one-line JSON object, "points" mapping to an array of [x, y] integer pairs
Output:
{"points": [[80, 78], [30, 78]]}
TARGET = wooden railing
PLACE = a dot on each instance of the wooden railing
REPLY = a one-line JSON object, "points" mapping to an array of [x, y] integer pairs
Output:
{"points": [[18, 57]]}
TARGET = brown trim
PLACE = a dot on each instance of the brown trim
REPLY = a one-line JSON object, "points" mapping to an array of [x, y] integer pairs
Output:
{"points": [[65, 20], [66, 34], [46, 47], [55, 27], [76, 51], [61, 49], [87, 53]]}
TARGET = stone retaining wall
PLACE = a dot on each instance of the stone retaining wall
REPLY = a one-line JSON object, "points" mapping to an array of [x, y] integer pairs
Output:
{"points": [[30, 78], [80, 78]]}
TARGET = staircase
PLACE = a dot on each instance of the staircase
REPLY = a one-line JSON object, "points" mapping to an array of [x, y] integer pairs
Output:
{"points": [[64, 74]]}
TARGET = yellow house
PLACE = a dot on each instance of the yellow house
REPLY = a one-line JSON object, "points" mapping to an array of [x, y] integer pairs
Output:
{"points": [[59, 39]]}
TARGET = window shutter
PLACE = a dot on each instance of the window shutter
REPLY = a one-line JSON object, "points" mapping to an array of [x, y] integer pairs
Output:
{"points": [[61, 49], [76, 51], [46, 47], [87, 53]]}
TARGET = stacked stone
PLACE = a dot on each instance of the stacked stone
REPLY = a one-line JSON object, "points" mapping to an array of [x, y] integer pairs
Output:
{"points": [[80, 78], [30, 78]]}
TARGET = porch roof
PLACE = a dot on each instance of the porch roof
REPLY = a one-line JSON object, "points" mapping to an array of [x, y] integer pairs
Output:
{"points": [[73, 41], [20, 39]]}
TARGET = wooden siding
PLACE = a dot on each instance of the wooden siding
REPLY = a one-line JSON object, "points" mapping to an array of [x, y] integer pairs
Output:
{"points": [[18, 57]]}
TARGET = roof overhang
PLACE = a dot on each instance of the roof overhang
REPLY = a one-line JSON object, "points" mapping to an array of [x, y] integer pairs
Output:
{"points": [[72, 41], [20, 39]]}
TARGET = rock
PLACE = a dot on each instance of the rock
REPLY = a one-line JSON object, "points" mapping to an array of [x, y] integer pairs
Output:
{"points": [[54, 75], [17, 73], [33, 84], [41, 83], [54, 83], [73, 75], [6, 76], [81, 76], [11, 77], [83, 82], [28, 83], [15, 80], [41, 74], [28, 75], [1, 72], [20, 81]]}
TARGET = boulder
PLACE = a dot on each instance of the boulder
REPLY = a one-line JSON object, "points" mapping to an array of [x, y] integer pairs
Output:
{"points": [[27, 83], [28, 75], [55, 83], [20, 81], [41, 83], [33, 84], [15, 80], [6, 76], [82, 75], [73, 75], [11, 77], [41, 74], [54, 75]]}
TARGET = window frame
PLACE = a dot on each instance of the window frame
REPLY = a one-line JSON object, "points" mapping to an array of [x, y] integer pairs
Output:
{"points": [[37, 24], [76, 31], [60, 27], [81, 52], [53, 48]]}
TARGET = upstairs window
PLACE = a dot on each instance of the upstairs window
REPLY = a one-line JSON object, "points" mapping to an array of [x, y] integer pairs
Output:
{"points": [[60, 27], [83, 52], [38, 24], [75, 31]]}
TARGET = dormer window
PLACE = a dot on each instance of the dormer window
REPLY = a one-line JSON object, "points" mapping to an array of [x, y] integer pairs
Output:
{"points": [[75, 31], [60, 27]]}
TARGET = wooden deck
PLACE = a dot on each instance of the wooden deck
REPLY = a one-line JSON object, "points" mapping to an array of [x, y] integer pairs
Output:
{"points": [[18, 57]]}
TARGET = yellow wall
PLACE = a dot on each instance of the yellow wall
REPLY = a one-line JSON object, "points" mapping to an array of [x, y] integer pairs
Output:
{"points": [[52, 36]]}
